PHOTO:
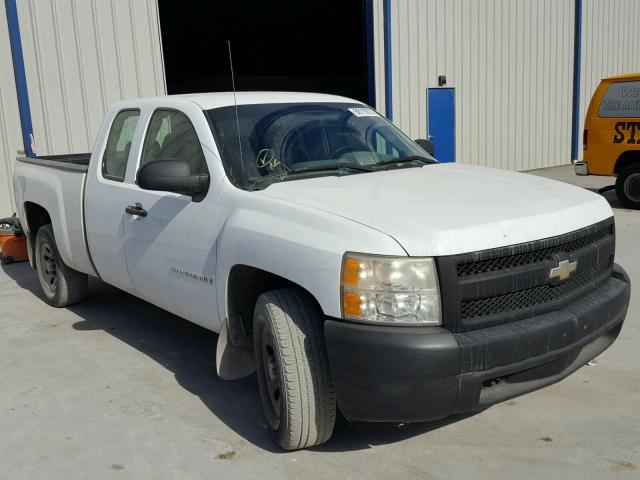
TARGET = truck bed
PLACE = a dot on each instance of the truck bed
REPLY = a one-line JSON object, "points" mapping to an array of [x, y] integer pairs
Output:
{"points": [[78, 162], [55, 183]]}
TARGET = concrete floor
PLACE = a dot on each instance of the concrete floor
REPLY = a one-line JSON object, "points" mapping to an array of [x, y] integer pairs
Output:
{"points": [[116, 388]]}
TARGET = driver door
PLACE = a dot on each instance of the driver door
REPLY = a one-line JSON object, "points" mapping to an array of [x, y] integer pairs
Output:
{"points": [[170, 239]]}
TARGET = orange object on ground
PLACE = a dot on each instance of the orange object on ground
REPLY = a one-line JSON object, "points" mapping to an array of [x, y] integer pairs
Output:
{"points": [[13, 244]]}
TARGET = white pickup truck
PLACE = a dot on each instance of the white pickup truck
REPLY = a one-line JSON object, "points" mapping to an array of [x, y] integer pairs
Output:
{"points": [[333, 255]]}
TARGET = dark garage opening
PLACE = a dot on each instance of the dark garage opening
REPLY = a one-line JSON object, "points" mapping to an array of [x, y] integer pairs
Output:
{"points": [[300, 45]]}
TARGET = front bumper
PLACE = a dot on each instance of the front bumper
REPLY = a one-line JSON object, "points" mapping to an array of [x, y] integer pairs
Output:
{"points": [[401, 374], [581, 168]]}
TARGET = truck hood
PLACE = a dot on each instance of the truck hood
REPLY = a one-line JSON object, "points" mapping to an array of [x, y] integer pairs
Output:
{"points": [[447, 209]]}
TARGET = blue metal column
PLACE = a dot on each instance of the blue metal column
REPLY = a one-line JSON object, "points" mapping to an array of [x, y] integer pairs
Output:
{"points": [[20, 76], [577, 51], [388, 70], [371, 66]]}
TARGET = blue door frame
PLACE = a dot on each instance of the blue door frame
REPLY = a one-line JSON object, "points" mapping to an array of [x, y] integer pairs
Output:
{"points": [[441, 108], [20, 77], [388, 65], [370, 40], [577, 53]]}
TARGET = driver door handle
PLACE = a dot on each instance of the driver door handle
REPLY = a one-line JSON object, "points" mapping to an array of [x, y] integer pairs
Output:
{"points": [[136, 210]]}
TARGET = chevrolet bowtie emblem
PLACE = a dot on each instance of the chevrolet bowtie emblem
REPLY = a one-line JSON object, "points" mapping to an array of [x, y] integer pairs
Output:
{"points": [[563, 271]]}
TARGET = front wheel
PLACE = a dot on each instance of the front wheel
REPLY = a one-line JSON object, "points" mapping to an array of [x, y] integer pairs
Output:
{"points": [[293, 368], [60, 284], [628, 186]]}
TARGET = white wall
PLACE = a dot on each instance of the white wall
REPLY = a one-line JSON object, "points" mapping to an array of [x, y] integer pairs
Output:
{"points": [[610, 37], [10, 132], [511, 63], [80, 57]]}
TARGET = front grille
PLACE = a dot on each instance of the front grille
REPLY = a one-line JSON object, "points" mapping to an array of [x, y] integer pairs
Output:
{"points": [[532, 296], [496, 286], [517, 260]]}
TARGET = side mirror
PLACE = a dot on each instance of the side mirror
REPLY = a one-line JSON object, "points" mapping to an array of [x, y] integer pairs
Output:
{"points": [[426, 145], [172, 176]]}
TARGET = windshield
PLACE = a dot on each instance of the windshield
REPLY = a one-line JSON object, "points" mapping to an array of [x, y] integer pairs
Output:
{"points": [[282, 142]]}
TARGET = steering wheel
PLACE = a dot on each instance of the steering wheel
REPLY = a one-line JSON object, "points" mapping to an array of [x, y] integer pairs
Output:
{"points": [[340, 151]]}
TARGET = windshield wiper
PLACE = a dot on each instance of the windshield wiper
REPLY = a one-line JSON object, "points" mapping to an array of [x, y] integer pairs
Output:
{"points": [[408, 159], [266, 178], [293, 172], [332, 166]]}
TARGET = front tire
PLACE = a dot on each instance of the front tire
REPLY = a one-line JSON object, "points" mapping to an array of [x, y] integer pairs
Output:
{"points": [[61, 285], [628, 186], [293, 368]]}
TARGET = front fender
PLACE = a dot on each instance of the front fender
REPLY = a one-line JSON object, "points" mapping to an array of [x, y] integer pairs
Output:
{"points": [[301, 244]]}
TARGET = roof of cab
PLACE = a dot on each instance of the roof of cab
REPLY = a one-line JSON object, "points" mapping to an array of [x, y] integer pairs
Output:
{"points": [[208, 101], [625, 76]]}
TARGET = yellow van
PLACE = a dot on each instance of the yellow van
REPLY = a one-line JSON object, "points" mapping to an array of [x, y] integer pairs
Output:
{"points": [[611, 137]]}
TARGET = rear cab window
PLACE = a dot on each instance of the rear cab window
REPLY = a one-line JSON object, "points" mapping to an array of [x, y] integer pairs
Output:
{"points": [[116, 152]]}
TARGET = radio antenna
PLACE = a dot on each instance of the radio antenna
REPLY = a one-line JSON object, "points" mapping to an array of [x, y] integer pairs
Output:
{"points": [[235, 102]]}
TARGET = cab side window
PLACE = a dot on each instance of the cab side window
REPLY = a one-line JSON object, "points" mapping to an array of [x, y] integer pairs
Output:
{"points": [[116, 153], [171, 136]]}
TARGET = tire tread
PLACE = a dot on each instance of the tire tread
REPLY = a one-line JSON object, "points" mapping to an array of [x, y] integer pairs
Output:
{"points": [[620, 181], [72, 285], [310, 396]]}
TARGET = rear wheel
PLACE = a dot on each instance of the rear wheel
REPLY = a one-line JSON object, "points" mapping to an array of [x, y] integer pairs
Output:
{"points": [[60, 284], [628, 186], [293, 369]]}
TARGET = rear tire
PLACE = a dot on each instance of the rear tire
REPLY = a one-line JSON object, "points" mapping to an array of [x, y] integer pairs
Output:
{"points": [[293, 368], [628, 186], [61, 285]]}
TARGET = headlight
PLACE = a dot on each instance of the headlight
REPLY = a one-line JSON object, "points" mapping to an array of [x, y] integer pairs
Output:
{"points": [[398, 290]]}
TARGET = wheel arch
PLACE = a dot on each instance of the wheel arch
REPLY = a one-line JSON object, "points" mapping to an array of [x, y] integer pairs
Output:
{"points": [[36, 216], [234, 356], [625, 159], [245, 284]]}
